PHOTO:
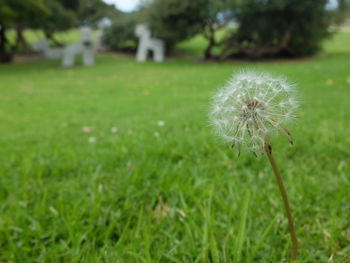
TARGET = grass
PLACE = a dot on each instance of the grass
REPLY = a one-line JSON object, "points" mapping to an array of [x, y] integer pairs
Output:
{"points": [[172, 192], [65, 37]]}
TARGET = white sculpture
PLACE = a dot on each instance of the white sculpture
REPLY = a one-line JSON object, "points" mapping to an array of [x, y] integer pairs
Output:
{"points": [[69, 52], [147, 43], [50, 53], [84, 47]]}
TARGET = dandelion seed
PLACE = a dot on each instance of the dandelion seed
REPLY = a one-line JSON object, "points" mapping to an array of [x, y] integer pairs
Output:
{"points": [[181, 212], [92, 139], [53, 211], [100, 188], [161, 123], [329, 82], [23, 203], [87, 129]]}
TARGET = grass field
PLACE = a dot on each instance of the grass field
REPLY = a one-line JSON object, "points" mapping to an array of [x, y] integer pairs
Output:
{"points": [[117, 163]]}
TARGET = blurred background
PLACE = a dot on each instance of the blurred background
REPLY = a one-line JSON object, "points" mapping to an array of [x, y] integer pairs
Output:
{"points": [[219, 29], [117, 162]]}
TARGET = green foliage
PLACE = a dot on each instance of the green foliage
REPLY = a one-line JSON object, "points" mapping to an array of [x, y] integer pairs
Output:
{"points": [[72, 5], [18, 14], [219, 15], [66, 14], [51, 16], [174, 21], [279, 28], [171, 193], [120, 35], [59, 19], [28, 13], [6, 13], [342, 12], [90, 11]]}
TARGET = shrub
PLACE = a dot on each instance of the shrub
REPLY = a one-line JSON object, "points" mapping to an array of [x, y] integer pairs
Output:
{"points": [[279, 28], [120, 35], [174, 20]]}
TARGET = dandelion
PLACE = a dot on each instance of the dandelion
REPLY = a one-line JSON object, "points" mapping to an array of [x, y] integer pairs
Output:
{"points": [[247, 110], [114, 129], [161, 123], [250, 107]]}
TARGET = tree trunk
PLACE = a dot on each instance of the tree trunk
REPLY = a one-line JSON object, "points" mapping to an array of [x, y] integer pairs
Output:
{"points": [[21, 41], [50, 36], [208, 51], [5, 55], [210, 36]]}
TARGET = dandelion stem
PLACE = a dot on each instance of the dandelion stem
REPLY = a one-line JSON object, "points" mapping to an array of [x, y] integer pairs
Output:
{"points": [[282, 189]]}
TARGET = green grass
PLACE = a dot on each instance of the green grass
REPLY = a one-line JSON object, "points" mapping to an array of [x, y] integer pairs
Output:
{"points": [[171, 193], [65, 37]]}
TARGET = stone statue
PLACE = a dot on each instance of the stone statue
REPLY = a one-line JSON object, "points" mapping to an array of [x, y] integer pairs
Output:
{"points": [[147, 43], [83, 47], [50, 53]]}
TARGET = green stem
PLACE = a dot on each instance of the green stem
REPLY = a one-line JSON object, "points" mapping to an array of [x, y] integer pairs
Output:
{"points": [[282, 189]]}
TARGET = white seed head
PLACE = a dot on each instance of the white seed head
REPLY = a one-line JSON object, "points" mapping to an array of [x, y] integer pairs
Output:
{"points": [[250, 106]]}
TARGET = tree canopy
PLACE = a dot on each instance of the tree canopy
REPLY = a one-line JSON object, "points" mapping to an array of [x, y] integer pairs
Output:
{"points": [[258, 28], [174, 21], [279, 28]]}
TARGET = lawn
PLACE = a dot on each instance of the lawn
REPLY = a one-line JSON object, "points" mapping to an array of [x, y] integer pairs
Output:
{"points": [[117, 163]]}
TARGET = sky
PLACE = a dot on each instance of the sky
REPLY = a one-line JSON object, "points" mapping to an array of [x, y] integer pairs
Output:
{"points": [[332, 4], [124, 5]]}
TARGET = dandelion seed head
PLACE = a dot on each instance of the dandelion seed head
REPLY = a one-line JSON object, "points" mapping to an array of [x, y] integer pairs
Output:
{"points": [[250, 106]]}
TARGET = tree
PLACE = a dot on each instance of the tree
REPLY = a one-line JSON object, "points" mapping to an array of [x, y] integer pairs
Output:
{"points": [[90, 11], [65, 14], [51, 16], [18, 14], [6, 16], [219, 15], [29, 13], [279, 28], [120, 35], [72, 5], [174, 21], [58, 19]]}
